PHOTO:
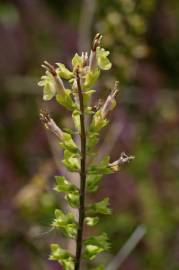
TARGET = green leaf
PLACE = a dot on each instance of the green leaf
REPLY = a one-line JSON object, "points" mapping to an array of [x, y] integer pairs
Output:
{"points": [[87, 96], [77, 60], [97, 123], [63, 72], [95, 245], [66, 100], [92, 140], [93, 134], [102, 59], [89, 110], [76, 119], [101, 207], [91, 78], [69, 131], [101, 168], [68, 143], [91, 221], [62, 256], [63, 185], [73, 199], [93, 181], [66, 222], [49, 90], [72, 192], [71, 162]]}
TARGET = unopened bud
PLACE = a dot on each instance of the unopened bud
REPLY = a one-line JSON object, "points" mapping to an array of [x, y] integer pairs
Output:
{"points": [[115, 166], [58, 83], [85, 58], [93, 58], [96, 41], [110, 102], [59, 86], [51, 125]]}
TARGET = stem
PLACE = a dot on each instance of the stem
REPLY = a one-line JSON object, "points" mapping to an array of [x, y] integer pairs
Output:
{"points": [[82, 177]]}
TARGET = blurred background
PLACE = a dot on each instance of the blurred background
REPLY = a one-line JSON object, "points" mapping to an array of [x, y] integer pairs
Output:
{"points": [[143, 38]]}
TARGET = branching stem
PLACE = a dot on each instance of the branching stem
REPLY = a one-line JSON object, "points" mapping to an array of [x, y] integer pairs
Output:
{"points": [[82, 176]]}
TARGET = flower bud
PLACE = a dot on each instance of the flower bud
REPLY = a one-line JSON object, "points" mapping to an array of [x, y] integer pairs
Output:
{"points": [[115, 166], [57, 81], [92, 60], [51, 125], [93, 57], [110, 102], [59, 86]]}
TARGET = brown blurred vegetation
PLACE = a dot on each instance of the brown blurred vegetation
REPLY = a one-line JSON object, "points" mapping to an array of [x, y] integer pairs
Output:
{"points": [[143, 39]]}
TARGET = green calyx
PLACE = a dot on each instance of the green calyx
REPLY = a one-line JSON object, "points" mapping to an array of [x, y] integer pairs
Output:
{"points": [[63, 72], [62, 256], [47, 82], [70, 190], [101, 207], [102, 59], [95, 245], [66, 222]]}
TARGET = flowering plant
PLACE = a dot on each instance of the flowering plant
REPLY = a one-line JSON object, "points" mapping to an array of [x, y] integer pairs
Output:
{"points": [[79, 159]]}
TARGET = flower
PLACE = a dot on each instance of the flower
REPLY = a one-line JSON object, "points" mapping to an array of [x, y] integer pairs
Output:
{"points": [[52, 83]]}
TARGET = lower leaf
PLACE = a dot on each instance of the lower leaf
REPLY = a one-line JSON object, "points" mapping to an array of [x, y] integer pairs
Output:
{"points": [[95, 245], [66, 222], [62, 256]]}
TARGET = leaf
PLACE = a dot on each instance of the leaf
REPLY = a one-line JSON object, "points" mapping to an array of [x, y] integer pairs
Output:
{"points": [[102, 59], [72, 192], [87, 96], [91, 78], [68, 143], [92, 140], [66, 222], [93, 181], [77, 60], [62, 256], [97, 123], [95, 245], [63, 185], [89, 110], [101, 207], [66, 100], [49, 90], [76, 119], [93, 134], [91, 221], [71, 162], [63, 72], [101, 168], [69, 131], [73, 199]]}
